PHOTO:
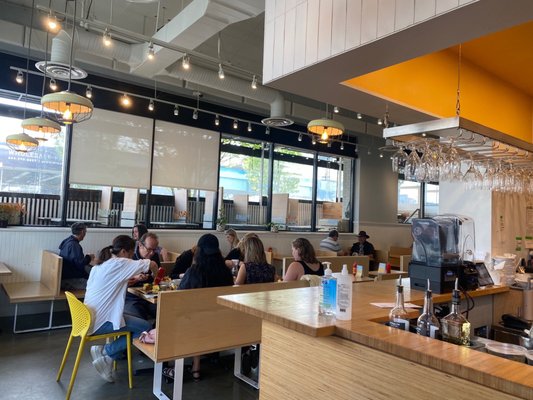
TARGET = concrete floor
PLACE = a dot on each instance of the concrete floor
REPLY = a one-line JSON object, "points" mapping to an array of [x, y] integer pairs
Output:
{"points": [[29, 363]]}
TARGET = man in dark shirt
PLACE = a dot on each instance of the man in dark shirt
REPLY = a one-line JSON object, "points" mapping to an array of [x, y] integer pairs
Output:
{"points": [[364, 248], [76, 265], [145, 248]]}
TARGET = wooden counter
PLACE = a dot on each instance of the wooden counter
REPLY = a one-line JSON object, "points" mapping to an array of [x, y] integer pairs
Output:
{"points": [[365, 359]]}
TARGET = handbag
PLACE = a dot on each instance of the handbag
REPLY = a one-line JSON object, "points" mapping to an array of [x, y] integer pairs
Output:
{"points": [[148, 337]]}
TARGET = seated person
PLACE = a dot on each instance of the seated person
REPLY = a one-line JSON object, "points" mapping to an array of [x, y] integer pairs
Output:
{"points": [[364, 248], [254, 268], [305, 261], [208, 270], [106, 289], [237, 253], [331, 243], [144, 250], [76, 265], [139, 231], [183, 263]]}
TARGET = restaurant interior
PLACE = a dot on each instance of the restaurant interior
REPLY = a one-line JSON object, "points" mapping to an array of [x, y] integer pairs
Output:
{"points": [[288, 119]]}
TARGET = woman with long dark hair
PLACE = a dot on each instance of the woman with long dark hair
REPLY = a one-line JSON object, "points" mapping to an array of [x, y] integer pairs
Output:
{"points": [[207, 270], [106, 291]]}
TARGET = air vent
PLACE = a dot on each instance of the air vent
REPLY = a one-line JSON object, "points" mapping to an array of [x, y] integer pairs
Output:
{"points": [[277, 121], [60, 70]]}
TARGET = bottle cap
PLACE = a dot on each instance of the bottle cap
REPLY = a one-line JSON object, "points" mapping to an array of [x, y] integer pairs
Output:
{"points": [[328, 270], [344, 269]]}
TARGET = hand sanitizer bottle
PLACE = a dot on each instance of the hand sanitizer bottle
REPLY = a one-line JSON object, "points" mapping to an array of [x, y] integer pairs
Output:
{"points": [[344, 295], [328, 292]]}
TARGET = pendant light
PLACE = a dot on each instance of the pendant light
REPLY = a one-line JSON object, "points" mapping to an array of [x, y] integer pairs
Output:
{"points": [[68, 107], [325, 128], [45, 128], [22, 142]]}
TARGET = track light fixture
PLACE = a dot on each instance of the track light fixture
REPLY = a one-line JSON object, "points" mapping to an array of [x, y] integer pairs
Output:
{"points": [[300, 137], [249, 129], [267, 130], [380, 121], [195, 114], [380, 155], [313, 141], [151, 53], [53, 84], [107, 38], [254, 82], [220, 72], [52, 23], [235, 124], [20, 77], [359, 116], [186, 62], [89, 92], [336, 109], [342, 145], [329, 144], [125, 100], [217, 120], [176, 110], [151, 105]]}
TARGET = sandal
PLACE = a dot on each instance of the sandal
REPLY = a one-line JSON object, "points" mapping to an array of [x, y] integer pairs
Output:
{"points": [[168, 373]]}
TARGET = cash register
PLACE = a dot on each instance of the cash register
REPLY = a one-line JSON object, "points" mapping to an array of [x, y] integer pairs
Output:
{"points": [[443, 249]]}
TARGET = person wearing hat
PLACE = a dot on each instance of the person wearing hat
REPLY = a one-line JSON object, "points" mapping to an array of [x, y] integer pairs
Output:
{"points": [[207, 270], [363, 248], [76, 265]]}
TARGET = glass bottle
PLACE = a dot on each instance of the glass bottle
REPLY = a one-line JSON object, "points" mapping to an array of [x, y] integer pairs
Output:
{"points": [[455, 327], [427, 324], [398, 317]]}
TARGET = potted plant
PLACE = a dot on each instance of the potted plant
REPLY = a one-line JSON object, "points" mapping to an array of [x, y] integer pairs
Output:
{"points": [[10, 214], [221, 221], [273, 227]]}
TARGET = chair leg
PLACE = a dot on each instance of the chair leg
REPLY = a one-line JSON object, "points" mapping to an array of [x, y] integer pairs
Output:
{"points": [[130, 368], [76, 365], [69, 343]]}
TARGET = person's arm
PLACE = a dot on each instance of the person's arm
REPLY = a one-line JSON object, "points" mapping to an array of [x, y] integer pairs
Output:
{"points": [[163, 254], [294, 272], [241, 276], [76, 257]]}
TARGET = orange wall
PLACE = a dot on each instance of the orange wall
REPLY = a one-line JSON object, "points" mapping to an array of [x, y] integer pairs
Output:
{"points": [[429, 84]]}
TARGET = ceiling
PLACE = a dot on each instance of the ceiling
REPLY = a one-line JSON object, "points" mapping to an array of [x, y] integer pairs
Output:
{"points": [[507, 54]]}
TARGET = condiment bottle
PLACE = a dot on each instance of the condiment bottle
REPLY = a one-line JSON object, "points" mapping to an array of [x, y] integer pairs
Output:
{"points": [[398, 316], [160, 275], [455, 327], [344, 295], [427, 324]]}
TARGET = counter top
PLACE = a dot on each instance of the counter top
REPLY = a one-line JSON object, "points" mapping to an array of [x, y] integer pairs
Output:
{"points": [[297, 310]]}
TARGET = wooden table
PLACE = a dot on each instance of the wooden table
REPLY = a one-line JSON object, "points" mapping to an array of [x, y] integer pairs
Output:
{"points": [[151, 298], [397, 274], [4, 270], [337, 352]]}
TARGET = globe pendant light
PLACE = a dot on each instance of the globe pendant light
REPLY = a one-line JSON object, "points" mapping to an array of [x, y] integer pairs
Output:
{"points": [[68, 107]]}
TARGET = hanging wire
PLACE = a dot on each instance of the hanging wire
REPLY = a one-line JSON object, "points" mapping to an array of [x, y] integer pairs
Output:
{"points": [[44, 71], [72, 43], [458, 101], [28, 58]]}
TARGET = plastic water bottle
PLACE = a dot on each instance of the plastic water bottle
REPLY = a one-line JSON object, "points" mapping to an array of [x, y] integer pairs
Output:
{"points": [[344, 295]]}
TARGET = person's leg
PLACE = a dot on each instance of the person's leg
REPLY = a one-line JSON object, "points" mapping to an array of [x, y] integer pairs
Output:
{"points": [[133, 324]]}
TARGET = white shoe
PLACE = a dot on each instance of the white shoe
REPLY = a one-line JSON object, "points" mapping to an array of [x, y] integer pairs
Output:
{"points": [[97, 352], [104, 366]]}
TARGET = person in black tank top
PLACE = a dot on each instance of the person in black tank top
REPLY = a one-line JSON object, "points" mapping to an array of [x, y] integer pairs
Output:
{"points": [[305, 261]]}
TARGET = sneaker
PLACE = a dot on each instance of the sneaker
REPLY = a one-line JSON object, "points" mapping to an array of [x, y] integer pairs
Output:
{"points": [[104, 366], [97, 352]]}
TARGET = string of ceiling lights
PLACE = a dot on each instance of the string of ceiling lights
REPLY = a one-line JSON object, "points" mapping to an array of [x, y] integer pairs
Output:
{"points": [[126, 100]]}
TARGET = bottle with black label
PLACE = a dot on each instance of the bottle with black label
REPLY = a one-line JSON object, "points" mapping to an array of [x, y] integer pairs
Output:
{"points": [[427, 324], [398, 317], [455, 327]]}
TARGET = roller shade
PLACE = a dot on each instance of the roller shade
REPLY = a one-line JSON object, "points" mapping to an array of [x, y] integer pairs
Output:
{"points": [[185, 157], [112, 149]]}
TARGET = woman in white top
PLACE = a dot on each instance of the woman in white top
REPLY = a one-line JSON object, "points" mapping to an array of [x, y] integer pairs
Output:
{"points": [[105, 296]]}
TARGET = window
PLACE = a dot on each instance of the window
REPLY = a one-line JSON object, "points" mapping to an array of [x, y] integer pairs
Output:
{"points": [[244, 181], [411, 196]]}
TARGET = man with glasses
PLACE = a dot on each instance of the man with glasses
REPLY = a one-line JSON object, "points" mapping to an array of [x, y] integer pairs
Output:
{"points": [[145, 248]]}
